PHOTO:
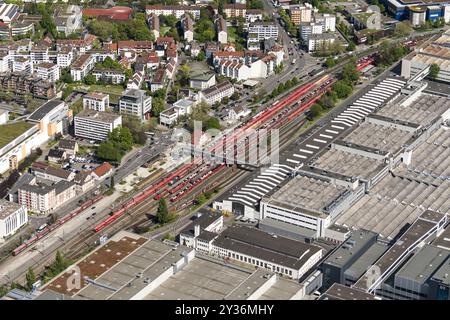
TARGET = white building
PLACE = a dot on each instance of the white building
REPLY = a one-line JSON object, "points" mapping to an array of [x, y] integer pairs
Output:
{"points": [[221, 27], [307, 29], [327, 21], [64, 57], [136, 103], [96, 125], [9, 12], [263, 30], [109, 75], [22, 64], [202, 80], [253, 15], [39, 55], [238, 112], [175, 10], [96, 101], [180, 108], [257, 248], [299, 14], [217, 92], [47, 71], [82, 66], [42, 125], [201, 232], [188, 28], [4, 61], [316, 41], [12, 217]]}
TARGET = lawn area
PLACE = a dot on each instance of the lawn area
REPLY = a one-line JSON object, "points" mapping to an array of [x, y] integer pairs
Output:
{"points": [[115, 89], [9, 132], [163, 31], [232, 34]]}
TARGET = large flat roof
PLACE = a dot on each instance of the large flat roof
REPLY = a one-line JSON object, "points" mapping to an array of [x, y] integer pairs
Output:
{"points": [[302, 192], [43, 110], [423, 264], [259, 244], [341, 292], [10, 131]]}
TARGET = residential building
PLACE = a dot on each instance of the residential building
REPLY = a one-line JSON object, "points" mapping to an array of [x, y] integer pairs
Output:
{"points": [[188, 28], [300, 14], [176, 10], [168, 117], [69, 146], [82, 66], [136, 103], [4, 61], [103, 171], [158, 81], [47, 71], [238, 112], [221, 27], [84, 181], [202, 80], [217, 92], [235, 10], [317, 41], [253, 15], [37, 198], [23, 83], [22, 65], [96, 125], [12, 217], [134, 46], [153, 24], [56, 155], [64, 57], [327, 21], [39, 54], [79, 45], [307, 29], [112, 76], [135, 82], [96, 101], [263, 30]]}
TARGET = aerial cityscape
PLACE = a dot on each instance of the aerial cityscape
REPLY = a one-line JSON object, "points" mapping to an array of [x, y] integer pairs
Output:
{"points": [[225, 150]]}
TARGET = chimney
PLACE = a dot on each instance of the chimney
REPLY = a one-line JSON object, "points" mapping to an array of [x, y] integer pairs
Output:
{"points": [[196, 230]]}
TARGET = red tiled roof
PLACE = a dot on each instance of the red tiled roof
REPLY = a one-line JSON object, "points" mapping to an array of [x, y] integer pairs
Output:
{"points": [[102, 169]]}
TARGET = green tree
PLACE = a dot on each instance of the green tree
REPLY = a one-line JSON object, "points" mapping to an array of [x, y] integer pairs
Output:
{"points": [[90, 79], [330, 62], [351, 46], [342, 89], [403, 29], [112, 182], [158, 106], [162, 214], [315, 110], [212, 123], [434, 70], [107, 151], [30, 278]]}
